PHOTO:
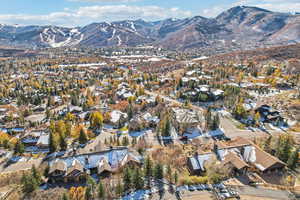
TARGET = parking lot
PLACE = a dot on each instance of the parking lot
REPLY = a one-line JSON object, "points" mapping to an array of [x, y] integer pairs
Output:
{"points": [[256, 193], [197, 195], [206, 191]]}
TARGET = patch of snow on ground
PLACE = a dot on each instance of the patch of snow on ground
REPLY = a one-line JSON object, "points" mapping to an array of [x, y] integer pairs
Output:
{"points": [[119, 41], [113, 35], [84, 65], [201, 58], [137, 195], [140, 133], [132, 26]]}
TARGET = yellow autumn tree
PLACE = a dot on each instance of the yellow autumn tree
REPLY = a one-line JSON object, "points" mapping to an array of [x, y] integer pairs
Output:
{"points": [[96, 120], [76, 193]]}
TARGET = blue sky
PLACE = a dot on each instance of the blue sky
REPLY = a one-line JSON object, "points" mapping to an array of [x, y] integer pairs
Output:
{"points": [[82, 12]]}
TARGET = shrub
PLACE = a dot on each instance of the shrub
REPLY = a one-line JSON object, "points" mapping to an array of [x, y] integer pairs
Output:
{"points": [[193, 180]]}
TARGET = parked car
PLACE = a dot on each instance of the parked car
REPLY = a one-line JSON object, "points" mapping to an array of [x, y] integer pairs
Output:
{"points": [[199, 187], [192, 188]]}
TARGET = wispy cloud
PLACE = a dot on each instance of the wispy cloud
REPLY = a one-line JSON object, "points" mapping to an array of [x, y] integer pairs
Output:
{"points": [[88, 14], [105, 1], [273, 5]]}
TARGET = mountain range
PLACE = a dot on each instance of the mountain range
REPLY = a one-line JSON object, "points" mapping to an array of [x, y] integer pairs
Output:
{"points": [[237, 26]]}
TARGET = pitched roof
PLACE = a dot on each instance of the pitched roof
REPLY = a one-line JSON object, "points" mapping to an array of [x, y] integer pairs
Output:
{"points": [[237, 142], [75, 168], [186, 116], [198, 161], [59, 165], [241, 151], [235, 160], [103, 165], [265, 160], [130, 157], [43, 140]]}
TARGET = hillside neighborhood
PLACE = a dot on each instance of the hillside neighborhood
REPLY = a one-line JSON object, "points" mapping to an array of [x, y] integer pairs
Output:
{"points": [[106, 128]]}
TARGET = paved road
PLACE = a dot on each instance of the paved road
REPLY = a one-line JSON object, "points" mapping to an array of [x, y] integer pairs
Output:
{"points": [[22, 165], [261, 192], [170, 100], [232, 131]]}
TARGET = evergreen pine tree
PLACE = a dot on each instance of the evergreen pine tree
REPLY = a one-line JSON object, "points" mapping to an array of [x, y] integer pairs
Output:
{"points": [[118, 141], [127, 180], [175, 178], [293, 159], [169, 172], [119, 189], [101, 191], [125, 141], [52, 142], [286, 151], [158, 171], [19, 148], [82, 137], [130, 111], [133, 141], [167, 127], [138, 181], [208, 119], [65, 197], [88, 193], [92, 184], [36, 175], [267, 145], [29, 183], [63, 143], [148, 171]]}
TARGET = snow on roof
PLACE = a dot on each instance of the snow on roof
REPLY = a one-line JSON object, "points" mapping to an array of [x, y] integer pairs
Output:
{"points": [[233, 84], [249, 154], [217, 92], [147, 116], [189, 73], [186, 116], [113, 157], [204, 89], [43, 140], [75, 108], [194, 163], [249, 106], [247, 84], [116, 115], [184, 79], [202, 159]]}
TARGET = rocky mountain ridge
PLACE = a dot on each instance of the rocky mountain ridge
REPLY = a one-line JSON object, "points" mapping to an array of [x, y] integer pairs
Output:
{"points": [[238, 26]]}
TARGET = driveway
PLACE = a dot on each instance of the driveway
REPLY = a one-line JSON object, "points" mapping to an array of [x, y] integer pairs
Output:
{"points": [[232, 131], [263, 193]]}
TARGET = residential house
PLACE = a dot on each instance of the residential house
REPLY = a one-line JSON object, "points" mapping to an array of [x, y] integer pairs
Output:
{"points": [[183, 119], [124, 92], [241, 155], [268, 115], [31, 138], [43, 142], [76, 167], [118, 118], [36, 118], [148, 100]]}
